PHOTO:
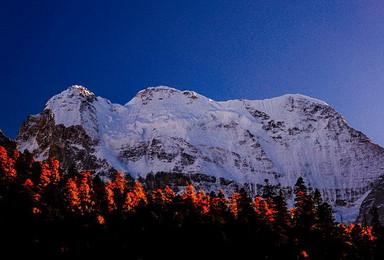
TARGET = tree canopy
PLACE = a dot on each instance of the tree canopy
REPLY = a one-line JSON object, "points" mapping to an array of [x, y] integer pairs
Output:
{"points": [[47, 211]]}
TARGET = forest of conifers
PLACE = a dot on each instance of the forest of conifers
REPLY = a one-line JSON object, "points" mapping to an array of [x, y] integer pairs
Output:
{"points": [[45, 211]]}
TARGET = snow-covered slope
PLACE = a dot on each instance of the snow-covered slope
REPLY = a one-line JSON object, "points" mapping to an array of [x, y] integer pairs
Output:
{"points": [[167, 130]]}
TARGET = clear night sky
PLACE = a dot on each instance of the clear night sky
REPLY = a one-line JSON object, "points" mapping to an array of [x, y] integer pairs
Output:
{"points": [[330, 50]]}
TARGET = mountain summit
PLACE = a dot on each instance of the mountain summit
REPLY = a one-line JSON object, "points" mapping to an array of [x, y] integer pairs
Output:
{"points": [[166, 131]]}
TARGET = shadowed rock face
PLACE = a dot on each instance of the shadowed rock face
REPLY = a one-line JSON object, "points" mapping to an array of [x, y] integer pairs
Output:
{"points": [[7, 143], [167, 131], [375, 198], [71, 145]]}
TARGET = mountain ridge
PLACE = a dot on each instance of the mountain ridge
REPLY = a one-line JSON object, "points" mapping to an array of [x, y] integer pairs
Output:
{"points": [[163, 129]]}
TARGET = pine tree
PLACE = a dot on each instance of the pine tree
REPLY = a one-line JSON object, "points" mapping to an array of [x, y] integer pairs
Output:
{"points": [[72, 195], [23, 166], [120, 183], [377, 232], [54, 167], [263, 209], [134, 198], [303, 215], [45, 177], [85, 192], [245, 206], [7, 169], [300, 185], [268, 190], [317, 197], [109, 200], [375, 220], [189, 193], [281, 213], [219, 207], [304, 211], [324, 213], [233, 204], [157, 198], [169, 194]]}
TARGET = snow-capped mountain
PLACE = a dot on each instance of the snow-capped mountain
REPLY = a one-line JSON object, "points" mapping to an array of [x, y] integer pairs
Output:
{"points": [[166, 130]]}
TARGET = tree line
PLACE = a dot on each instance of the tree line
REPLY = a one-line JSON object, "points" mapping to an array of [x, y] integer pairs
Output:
{"points": [[47, 211]]}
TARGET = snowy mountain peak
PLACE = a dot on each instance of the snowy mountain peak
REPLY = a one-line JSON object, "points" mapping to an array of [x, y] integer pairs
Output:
{"points": [[73, 94], [160, 91], [166, 94], [68, 107], [83, 91], [303, 98]]}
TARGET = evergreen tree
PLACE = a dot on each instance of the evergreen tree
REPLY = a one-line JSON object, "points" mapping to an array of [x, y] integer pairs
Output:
{"points": [[317, 198], [303, 215], [72, 195], [304, 211], [375, 220], [300, 185], [7, 169], [281, 213], [108, 202], [268, 190], [377, 232], [245, 207], [85, 192]]}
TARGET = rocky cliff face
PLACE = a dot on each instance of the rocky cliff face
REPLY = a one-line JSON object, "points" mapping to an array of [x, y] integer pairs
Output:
{"points": [[375, 198], [59, 131], [236, 142], [7, 143]]}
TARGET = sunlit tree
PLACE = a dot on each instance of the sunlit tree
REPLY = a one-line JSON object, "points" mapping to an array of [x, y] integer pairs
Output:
{"points": [[72, 195], [109, 196], [7, 169], [119, 182], [169, 194], [134, 198], [85, 192]]}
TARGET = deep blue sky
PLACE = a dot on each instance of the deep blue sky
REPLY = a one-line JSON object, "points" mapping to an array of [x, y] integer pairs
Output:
{"points": [[331, 50]]}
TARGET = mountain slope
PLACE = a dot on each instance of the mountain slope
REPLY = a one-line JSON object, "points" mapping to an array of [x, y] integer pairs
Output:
{"points": [[167, 130]]}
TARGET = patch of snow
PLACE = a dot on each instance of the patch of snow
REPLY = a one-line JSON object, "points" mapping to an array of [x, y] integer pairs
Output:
{"points": [[349, 214]]}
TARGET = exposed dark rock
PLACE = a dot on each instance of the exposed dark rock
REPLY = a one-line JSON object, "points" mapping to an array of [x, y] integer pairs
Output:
{"points": [[177, 182], [7, 143], [374, 198], [70, 145]]}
